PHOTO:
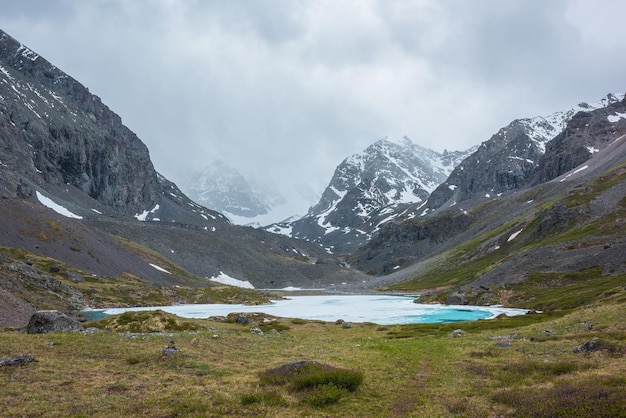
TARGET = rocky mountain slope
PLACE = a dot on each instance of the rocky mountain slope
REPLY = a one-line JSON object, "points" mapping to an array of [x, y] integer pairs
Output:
{"points": [[370, 188], [563, 223], [71, 174], [505, 161]]}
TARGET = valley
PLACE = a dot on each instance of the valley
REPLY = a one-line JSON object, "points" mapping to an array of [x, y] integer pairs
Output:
{"points": [[532, 217]]}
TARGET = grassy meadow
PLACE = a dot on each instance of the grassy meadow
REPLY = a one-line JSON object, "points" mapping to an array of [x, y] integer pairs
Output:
{"points": [[506, 367]]}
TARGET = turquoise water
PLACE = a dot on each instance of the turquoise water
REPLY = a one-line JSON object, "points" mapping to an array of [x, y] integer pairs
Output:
{"points": [[380, 309]]}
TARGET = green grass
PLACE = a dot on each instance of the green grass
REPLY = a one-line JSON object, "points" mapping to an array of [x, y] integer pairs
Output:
{"points": [[499, 367], [568, 290]]}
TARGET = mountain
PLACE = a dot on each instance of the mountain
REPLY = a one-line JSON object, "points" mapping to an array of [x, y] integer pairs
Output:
{"points": [[78, 187], [562, 213], [369, 188], [534, 214], [222, 188], [247, 199], [505, 161]]}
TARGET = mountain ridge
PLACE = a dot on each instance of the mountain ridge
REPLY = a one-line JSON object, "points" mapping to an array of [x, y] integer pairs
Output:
{"points": [[366, 187], [60, 143], [516, 151], [405, 241]]}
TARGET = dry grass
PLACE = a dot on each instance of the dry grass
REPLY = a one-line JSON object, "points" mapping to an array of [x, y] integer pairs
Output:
{"points": [[529, 368]]}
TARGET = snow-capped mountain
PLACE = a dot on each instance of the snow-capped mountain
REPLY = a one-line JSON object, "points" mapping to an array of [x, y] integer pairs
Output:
{"points": [[247, 200], [505, 161], [511, 186], [368, 188], [222, 188]]}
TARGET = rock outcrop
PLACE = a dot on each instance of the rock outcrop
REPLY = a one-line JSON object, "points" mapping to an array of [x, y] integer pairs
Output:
{"points": [[43, 322], [53, 130]]}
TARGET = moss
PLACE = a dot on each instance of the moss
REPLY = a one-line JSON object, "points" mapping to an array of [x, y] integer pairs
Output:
{"points": [[145, 321]]}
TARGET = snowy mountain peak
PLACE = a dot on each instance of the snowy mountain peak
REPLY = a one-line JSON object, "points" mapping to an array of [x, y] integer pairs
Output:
{"points": [[542, 129], [367, 187], [223, 188], [505, 161]]}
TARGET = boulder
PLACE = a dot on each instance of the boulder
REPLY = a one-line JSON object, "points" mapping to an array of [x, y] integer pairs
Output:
{"points": [[456, 299], [16, 360], [588, 347], [43, 322]]}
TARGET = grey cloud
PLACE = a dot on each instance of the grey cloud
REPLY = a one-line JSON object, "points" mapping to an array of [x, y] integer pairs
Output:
{"points": [[286, 89]]}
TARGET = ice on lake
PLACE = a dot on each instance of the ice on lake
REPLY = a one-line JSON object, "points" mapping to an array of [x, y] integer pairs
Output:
{"points": [[380, 309]]}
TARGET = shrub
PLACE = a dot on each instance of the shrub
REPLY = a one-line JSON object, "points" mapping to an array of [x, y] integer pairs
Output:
{"points": [[324, 395], [589, 399], [340, 378], [317, 384]]}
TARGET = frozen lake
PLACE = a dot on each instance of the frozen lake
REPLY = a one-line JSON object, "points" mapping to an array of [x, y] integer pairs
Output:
{"points": [[380, 309]]}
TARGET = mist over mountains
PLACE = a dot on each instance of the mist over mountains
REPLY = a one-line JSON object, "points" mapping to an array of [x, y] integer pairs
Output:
{"points": [[59, 141], [385, 217]]}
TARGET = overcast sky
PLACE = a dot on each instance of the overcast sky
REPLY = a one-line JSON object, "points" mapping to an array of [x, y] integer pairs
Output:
{"points": [[286, 89]]}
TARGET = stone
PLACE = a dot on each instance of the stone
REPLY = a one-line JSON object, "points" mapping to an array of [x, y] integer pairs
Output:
{"points": [[457, 333], [588, 347], [170, 349], [75, 277], [242, 320], [257, 331], [456, 299], [43, 322], [16, 360], [346, 325]]}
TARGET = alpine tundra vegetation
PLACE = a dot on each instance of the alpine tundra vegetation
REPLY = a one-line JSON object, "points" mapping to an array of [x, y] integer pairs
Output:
{"points": [[533, 217]]}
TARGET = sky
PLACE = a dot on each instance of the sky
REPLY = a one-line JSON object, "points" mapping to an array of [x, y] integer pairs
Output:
{"points": [[284, 90]]}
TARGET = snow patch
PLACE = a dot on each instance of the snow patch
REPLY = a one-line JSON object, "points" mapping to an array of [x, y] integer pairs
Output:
{"points": [[142, 216], [6, 73], [97, 211], [514, 235], [27, 53], [159, 268], [56, 207], [578, 170], [616, 117], [224, 278]]}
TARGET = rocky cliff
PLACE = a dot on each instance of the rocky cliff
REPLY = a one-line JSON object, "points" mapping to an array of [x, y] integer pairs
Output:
{"points": [[54, 131], [519, 151]]}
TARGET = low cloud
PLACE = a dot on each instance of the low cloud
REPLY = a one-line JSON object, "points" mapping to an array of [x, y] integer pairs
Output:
{"points": [[285, 90]]}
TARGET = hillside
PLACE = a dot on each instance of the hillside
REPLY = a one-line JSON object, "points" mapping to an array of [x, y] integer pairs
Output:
{"points": [[563, 238], [78, 188]]}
